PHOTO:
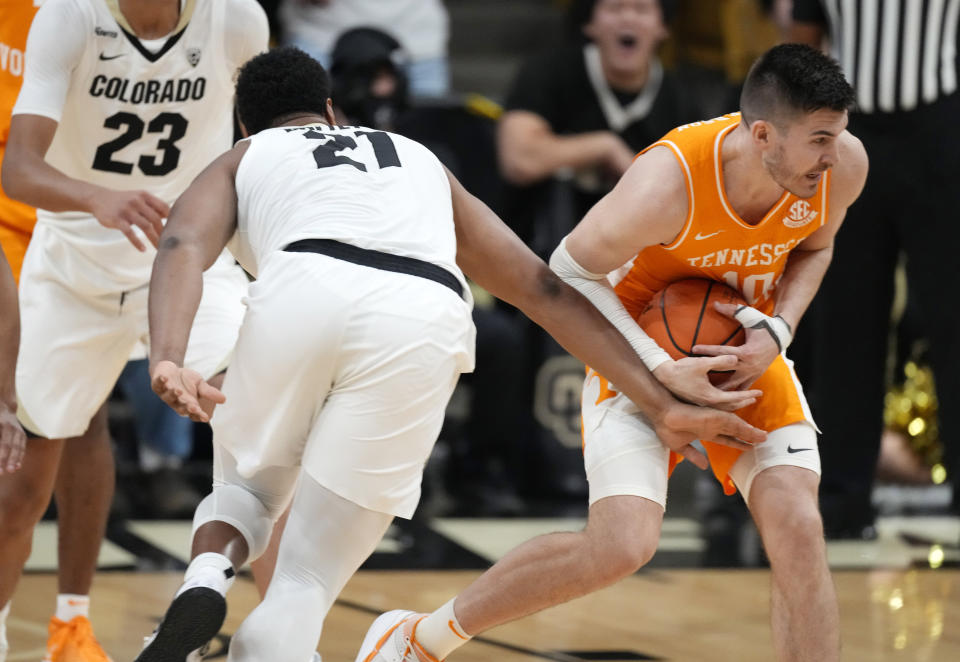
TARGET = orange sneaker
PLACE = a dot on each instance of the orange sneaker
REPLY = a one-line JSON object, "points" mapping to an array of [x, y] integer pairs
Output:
{"points": [[73, 641]]}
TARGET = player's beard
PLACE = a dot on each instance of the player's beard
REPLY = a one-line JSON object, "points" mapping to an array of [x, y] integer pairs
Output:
{"points": [[775, 165]]}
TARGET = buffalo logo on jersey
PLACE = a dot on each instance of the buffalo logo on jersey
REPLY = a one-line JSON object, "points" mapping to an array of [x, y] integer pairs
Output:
{"points": [[193, 56], [800, 214]]}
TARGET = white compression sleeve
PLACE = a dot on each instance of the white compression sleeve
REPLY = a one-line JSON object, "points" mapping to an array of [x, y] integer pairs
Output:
{"points": [[598, 291], [326, 539]]}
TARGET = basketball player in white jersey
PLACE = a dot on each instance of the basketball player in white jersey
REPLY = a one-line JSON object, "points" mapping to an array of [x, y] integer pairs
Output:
{"points": [[357, 329], [123, 103]]}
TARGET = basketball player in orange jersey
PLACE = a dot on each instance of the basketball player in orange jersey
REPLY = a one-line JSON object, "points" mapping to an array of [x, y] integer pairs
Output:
{"points": [[16, 218], [752, 200], [16, 224]]}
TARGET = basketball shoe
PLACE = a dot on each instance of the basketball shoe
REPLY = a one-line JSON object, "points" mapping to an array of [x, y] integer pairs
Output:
{"points": [[73, 641], [391, 639], [191, 621], [194, 656]]}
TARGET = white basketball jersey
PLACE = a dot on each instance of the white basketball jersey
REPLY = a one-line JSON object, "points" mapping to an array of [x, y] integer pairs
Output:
{"points": [[367, 188], [137, 119]]}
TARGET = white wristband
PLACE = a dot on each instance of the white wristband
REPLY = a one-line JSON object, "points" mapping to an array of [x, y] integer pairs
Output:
{"points": [[777, 327]]}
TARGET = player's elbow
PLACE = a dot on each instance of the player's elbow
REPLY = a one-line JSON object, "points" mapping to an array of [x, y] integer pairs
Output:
{"points": [[12, 177], [548, 287], [169, 243], [545, 299]]}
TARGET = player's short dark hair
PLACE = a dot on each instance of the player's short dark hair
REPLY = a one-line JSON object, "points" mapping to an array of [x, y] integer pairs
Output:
{"points": [[281, 82], [791, 79]]}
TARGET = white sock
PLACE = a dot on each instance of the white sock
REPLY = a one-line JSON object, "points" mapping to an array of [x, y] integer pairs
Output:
{"points": [[211, 570], [70, 605], [3, 628], [440, 633]]}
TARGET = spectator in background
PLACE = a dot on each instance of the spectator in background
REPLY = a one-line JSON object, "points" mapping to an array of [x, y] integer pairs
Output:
{"points": [[574, 119], [587, 108], [368, 75], [901, 57], [420, 26]]}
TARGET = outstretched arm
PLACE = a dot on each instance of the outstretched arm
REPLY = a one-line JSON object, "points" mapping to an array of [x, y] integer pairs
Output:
{"points": [[200, 225], [496, 259], [12, 438]]}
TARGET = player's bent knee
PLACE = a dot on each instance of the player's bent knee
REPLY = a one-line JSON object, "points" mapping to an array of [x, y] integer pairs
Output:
{"points": [[233, 505], [622, 556], [800, 529]]}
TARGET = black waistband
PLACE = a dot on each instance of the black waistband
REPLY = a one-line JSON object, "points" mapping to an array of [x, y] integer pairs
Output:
{"points": [[378, 260]]}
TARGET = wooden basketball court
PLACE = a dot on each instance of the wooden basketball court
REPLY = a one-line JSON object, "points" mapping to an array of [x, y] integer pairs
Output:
{"points": [[657, 615]]}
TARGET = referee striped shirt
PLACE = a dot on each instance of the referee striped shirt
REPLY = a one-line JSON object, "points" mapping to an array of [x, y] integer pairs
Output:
{"points": [[897, 54]]}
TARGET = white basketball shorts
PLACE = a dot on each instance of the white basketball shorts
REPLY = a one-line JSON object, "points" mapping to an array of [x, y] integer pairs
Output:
{"points": [[74, 345], [623, 456], [346, 370]]}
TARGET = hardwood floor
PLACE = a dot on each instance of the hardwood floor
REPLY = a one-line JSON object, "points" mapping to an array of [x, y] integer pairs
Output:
{"points": [[683, 615]]}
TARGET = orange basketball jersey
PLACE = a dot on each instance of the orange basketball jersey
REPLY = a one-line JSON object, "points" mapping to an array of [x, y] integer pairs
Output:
{"points": [[716, 243], [16, 219]]}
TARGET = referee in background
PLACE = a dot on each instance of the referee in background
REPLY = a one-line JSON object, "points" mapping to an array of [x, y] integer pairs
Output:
{"points": [[901, 58]]}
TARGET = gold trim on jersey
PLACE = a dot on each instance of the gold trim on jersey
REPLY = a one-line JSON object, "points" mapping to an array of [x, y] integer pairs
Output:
{"points": [[186, 13]]}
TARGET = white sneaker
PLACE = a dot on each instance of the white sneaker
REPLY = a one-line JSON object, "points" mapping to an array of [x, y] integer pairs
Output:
{"points": [[386, 640]]}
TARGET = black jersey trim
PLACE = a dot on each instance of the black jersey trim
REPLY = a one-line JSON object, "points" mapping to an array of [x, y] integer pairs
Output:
{"points": [[153, 57]]}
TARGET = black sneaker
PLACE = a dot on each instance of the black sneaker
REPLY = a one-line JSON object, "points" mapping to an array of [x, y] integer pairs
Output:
{"points": [[193, 619]]}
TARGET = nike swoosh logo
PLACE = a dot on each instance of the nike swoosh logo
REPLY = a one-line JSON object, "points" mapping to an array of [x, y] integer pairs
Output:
{"points": [[791, 449], [110, 57], [700, 237]]}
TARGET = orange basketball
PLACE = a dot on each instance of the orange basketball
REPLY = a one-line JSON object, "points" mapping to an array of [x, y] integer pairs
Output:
{"points": [[682, 315]]}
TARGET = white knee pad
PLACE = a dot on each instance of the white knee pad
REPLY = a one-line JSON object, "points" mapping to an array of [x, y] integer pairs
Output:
{"points": [[240, 509]]}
